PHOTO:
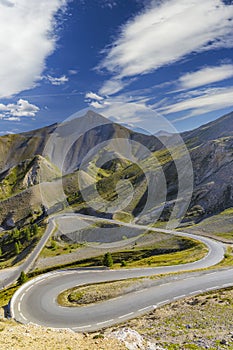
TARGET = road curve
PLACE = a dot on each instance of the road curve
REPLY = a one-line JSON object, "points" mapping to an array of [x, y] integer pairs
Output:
{"points": [[35, 301], [10, 275]]}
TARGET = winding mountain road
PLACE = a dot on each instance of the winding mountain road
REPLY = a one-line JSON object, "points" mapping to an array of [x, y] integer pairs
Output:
{"points": [[35, 301]]}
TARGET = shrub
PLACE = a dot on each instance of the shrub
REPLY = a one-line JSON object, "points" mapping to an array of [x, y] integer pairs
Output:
{"points": [[22, 278], [123, 263], [16, 248], [107, 260]]}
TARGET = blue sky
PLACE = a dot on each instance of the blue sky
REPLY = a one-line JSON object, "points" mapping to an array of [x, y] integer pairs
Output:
{"points": [[130, 60]]}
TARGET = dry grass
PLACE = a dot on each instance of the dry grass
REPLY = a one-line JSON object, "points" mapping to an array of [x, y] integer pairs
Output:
{"points": [[30, 337], [202, 322], [79, 296]]}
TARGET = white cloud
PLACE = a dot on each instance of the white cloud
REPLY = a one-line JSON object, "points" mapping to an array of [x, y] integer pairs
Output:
{"points": [[7, 3], [10, 132], [209, 100], [112, 86], [57, 80], [108, 3], [14, 119], [27, 38], [166, 32], [22, 108], [93, 96], [206, 76], [96, 104], [73, 72], [135, 113]]}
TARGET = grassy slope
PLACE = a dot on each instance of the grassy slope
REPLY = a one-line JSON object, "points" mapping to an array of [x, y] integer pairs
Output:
{"points": [[218, 226]]}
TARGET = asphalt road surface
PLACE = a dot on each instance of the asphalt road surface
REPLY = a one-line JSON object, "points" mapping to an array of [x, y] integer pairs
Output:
{"points": [[35, 301]]}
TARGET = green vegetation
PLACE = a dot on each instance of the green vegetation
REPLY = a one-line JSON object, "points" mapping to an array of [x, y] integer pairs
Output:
{"points": [[53, 245], [14, 180], [218, 226], [123, 263], [17, 243], [228, 258], [6, 295], [123, 216], [107, 260], [55, 248], [22, 278], [16, 248], [93, 293], [144, 258], [186, 251]]}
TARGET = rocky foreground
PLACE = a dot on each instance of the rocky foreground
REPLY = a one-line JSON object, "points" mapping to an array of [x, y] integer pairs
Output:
{"points": [[202, 322], [31, 337]]}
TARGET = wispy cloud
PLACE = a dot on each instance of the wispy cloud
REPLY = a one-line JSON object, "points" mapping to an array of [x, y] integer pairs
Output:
{"points": [[57, 80], [164, 33], [111, 87], [96, 104], [73, 71], [210, 100], [93, 96], [205, 76], [27, 38], [14, 111]]}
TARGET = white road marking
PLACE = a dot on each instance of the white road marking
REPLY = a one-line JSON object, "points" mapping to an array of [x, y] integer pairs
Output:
{"points": [[164, 302], [145, 308], [121, 296], [126, 315], [21, 298], [19, 307], [65, 273], [100, 323], [27, 290], [180, 296], [139, 291], [227, 285], [23, 317], [38, 282], [196, 292], [87, 326]]}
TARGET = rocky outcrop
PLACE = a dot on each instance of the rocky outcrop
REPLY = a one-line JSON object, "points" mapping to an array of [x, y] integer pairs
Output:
{"points": [[133, 340], [26, 161]]}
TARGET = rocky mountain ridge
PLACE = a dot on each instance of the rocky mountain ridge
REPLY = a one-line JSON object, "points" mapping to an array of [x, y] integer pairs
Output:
{"points": [[26, 161]]}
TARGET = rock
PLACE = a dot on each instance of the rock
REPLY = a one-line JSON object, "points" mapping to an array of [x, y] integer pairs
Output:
{"points": [[133, 340], [9, 222], [223, 342]]}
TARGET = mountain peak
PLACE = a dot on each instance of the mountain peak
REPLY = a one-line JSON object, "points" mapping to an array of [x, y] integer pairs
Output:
{"points": [[219, 128]]}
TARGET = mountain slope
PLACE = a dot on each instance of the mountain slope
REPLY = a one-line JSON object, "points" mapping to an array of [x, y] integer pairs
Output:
{"points": [[28, 173], [41, 155], [222, 127], [18, 147]]}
